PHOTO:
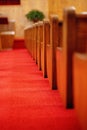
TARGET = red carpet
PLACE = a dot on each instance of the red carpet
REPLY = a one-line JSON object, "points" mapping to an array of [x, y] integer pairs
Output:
{"points": [[18, 44], [26, 100]]}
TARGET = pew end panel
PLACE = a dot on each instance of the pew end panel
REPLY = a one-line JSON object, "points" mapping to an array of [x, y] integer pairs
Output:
{"points": [[52, 42], [59, 60], [42, 57], [49, 64], [74, 39], [69, 46], [46, 41], [40, 41], [53, 45], [37, 49], [0, 45], [28, 35], [34, 42]]}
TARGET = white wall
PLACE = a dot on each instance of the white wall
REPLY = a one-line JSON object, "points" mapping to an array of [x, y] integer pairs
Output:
{"points": [[18, 13]]}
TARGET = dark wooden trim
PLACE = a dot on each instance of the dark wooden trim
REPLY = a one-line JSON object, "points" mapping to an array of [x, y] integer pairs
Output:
{"points": [[54, 43], [69, 39], [40, 40], [46, 40], [10, 2]]}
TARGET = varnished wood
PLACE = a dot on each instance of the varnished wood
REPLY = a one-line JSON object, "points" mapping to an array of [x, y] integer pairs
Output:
{"points": [[40, 41], [74, 39], [60, 33], [8, 27], [7, 34], [46, 40], [80, 68], [0, 44], [59, 60], [80, 87], [7, 39], [29, 39], [36, 41], [68, 49], [54, 43], [81, 32]]}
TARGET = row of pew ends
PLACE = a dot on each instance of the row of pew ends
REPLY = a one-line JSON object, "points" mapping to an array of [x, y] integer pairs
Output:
{"points": [[59, 48]]}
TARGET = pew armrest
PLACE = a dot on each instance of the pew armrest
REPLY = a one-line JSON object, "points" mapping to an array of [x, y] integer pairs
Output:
{"points": [[81, 56], [8, 33]]}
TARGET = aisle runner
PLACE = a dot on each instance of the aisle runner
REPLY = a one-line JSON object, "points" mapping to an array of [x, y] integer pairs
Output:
{"points": [[26, 100]]}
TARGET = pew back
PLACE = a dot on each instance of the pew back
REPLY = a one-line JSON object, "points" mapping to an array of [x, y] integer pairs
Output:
{"points": [[74, 39], [8, 27]]}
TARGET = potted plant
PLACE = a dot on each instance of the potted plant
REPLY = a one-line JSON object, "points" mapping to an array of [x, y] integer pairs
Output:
{"points": [[35, 15]]}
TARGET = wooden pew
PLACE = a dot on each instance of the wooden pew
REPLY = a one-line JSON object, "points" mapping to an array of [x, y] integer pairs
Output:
{"points": [[77, 49], [51, 51], [9, 26], [31, 35], [28, 38], [35, 41], [60, 60], [64, 54], [7, 33], [46, 41], [39, 42], [31, 41], [74, 39], [7, 39]]}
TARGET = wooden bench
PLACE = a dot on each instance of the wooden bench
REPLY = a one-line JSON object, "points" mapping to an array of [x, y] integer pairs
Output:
{"points": [[51, 46], [74, 39], [28, 38], [43, 47], [76, 44], [46, 41], [36, 35], [7, 33], [7, 39], [39, 44]]}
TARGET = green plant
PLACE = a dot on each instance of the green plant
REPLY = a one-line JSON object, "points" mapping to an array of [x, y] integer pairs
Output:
{"points": [[35, 15]]}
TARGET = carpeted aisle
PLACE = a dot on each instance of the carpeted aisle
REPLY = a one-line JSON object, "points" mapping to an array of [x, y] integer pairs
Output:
{"points": [[26, 100]]}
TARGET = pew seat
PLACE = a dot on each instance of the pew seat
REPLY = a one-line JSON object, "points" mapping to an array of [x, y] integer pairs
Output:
{"points": [[80, 87], [7, 39]]}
